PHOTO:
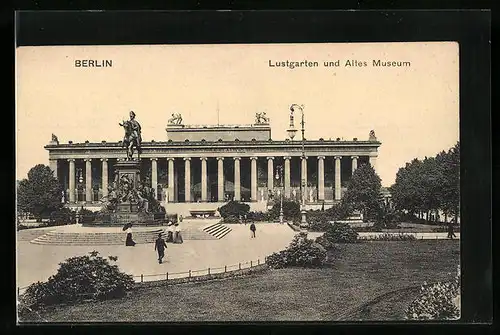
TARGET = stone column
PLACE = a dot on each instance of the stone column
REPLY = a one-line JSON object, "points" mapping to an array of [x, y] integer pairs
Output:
{"points": [[88, 180], [104, 177], [154, 176], [253, 177], [270, 173], [53, 166], [321, 178], [171, 182], [354, 163], [204, 179], [220, 178], [303, 178], [338, 181], [187, 179], [237, 179], [72, 179], [287, 177], [373, 162]]}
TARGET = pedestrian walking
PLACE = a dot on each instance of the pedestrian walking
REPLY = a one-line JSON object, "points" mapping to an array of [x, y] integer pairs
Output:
{"points": [[252, 230], [160, 246], [451, 233]]}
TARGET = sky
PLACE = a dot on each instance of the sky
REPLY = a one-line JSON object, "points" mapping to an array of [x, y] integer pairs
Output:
{"points": [[413, 110]]}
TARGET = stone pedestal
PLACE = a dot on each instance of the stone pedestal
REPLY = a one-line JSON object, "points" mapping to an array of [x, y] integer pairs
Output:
{"points": [[127, 211], [130, 169]]}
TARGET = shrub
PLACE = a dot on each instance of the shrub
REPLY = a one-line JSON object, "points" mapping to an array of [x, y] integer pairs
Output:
{"points": [[337, 212], [339, 232], [234, 208], [302, 252], [62, 216], [440, 301], [318, 220], [291, 211], [86, 216], [258, 216], [231, 219], [391, 237], [89, 276]]}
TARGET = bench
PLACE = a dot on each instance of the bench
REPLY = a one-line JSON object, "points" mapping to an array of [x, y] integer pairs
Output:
{"points": [[202, 213]]}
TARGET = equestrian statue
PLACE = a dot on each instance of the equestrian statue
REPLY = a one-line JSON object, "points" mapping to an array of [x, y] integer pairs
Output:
{"points": [[132, 138]]}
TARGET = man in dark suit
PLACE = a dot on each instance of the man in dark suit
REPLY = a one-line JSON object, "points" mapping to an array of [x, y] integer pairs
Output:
{"points": [[252, 229], [160, 246]]}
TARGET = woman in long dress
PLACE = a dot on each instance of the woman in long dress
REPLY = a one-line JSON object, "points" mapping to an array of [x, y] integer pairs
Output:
{"points": [[170, 233], [129, 242], [177, 234]]}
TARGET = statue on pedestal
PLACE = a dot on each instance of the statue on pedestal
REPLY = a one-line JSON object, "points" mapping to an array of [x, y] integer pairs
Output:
{"points": [[132, 138], [372, 136]]}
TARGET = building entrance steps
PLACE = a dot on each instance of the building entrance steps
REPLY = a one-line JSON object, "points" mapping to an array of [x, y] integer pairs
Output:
{"points": [[195, 229]]}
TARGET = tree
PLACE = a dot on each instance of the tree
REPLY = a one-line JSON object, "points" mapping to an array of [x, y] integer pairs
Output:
{"points": [[40, 194], [363, 191], [431, 184], [450, 186]]}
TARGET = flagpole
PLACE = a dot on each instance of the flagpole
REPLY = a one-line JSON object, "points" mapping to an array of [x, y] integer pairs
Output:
{"points": [[218, 123]]}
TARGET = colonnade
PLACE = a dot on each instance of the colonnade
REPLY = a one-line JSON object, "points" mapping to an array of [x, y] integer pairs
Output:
{"points": [[220, 176]]}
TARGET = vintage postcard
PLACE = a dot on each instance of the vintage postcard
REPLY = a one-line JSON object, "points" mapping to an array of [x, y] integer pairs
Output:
{"points": [[238, 182]]}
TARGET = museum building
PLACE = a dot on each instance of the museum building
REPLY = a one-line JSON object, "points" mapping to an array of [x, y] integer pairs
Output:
{"points": [[216, 163]]}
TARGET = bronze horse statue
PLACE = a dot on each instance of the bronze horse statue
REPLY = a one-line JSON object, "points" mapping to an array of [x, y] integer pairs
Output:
{"points": [[130, 140]]}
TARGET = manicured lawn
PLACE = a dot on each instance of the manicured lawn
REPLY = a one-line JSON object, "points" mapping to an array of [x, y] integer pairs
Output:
{"points": [[361, 283]]}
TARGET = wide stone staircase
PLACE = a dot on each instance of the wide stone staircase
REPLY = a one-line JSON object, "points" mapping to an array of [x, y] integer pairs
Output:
{"points": [[95, 238], [32, 233]]}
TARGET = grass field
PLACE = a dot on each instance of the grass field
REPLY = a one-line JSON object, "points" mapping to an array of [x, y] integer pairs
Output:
{"points": [[366, 281]]}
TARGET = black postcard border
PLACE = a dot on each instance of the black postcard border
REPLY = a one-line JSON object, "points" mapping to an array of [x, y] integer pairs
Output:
{"points": [[470, 28]]}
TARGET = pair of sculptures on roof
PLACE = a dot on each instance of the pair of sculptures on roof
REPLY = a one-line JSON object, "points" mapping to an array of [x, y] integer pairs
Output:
{"points": [[261, 118]]}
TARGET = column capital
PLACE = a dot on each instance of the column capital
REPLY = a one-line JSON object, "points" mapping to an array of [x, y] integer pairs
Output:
{"points": [[220, 158], [153, 159], [170, 159], [203, 158], [287, 157], [71, 159], [87, 159], [354, 157], [270, 158], [237, 158], [304, 157], [254, 158], [187, 158], [337, 157], [321, 157], [104, 159]]}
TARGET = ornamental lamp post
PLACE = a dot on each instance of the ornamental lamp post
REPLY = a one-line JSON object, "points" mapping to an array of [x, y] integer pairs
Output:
{"points": [[279, 175], [291, 132]]}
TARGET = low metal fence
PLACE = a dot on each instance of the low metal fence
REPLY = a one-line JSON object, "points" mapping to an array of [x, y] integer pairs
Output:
{"points": [[200, 272]]}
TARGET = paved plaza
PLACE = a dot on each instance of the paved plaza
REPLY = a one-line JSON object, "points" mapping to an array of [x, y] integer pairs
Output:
{"points": [[38, 262]]}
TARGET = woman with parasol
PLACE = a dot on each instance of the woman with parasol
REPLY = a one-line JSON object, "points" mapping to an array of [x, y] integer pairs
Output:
{"points": [[128, 228]]}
